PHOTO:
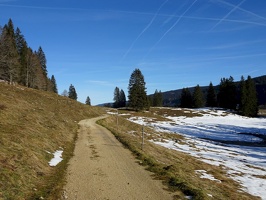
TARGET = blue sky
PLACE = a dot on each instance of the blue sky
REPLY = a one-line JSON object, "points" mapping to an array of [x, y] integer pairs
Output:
{"points": [[96, 45]]}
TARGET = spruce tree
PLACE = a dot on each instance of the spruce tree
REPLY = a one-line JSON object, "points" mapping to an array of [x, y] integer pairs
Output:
{"points": [[198, 101], [186, 100], [137, 96], [88, 101], [54, 85], [42, 59], [9, 58], [243, 94], [157, 99], [72, 93], [18, 63], [227, 93], [122, 99], [116, 97], [249, 102], [211, 97], [22, 49]]}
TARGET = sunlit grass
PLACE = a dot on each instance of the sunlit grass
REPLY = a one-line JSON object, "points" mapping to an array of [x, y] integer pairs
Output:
{"points": [[33, 123]]}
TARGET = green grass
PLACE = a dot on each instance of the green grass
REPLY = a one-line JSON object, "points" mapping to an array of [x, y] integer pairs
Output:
{"points": [[175, 169], [32, 123]]}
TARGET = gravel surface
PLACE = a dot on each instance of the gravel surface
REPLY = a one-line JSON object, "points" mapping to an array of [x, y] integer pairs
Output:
{"points": [[102, 168]]}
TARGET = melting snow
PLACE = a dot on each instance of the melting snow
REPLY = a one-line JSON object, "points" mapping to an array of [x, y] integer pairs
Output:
{"points": [[245, 164], [57, 158], [204, 174]]}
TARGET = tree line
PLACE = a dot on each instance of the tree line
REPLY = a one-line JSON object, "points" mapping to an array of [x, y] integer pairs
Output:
{"points": [[20, 64], [242, 97]]}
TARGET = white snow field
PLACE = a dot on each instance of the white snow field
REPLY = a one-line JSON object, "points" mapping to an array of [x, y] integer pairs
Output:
{"points": [[220, 138]]}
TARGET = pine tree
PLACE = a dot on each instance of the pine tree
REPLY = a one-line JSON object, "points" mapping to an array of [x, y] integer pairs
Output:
{"points": [[198, 101], [116, 97], [88, 101], [122, 99], [211, 97], [227, 93], [137, 92], [249, 102], [186, 100], [72, 93], [54, 85]]}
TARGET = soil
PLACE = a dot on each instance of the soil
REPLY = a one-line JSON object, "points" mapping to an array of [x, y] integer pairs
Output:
{"points": [[102, 168]]}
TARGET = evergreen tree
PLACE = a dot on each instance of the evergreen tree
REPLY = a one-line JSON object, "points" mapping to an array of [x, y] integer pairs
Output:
{"points": [[54, 85], [9, 59], [42, 59], [243, 94], [211, 97], [150, 100], [22, 49], [19, 40], [122, 99], [198, 101], [157, 99], [227, 93], [72, 93], [137, 92], [249, 102], [10, 30], [116, 97], [186, 100], [18, 63], [88, 101]]}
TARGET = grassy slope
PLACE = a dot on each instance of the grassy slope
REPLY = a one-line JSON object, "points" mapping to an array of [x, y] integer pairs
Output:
{"points": [[176, 169], [33, 123]]}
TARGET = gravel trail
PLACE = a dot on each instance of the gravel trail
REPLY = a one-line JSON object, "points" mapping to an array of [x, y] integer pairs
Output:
{"points": [[102, 168]]}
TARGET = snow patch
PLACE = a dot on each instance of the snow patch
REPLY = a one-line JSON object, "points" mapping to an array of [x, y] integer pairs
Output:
{"points": [[204, 174], [57, 158]]}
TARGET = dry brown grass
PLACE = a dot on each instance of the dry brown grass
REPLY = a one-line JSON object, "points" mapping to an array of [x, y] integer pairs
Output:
{"points": [[174, 112], [32, 123], [175, 168]]}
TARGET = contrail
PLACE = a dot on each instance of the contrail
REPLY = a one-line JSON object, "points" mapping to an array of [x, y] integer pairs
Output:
{"points": [[239, 8], [227, 20], [235, 7], [179, 18], [144, 30]]}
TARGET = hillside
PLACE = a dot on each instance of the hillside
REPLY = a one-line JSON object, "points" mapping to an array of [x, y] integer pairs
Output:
{"points": [[171, 98], [33, 125]]}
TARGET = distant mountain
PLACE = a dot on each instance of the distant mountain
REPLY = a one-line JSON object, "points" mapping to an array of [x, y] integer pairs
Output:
{"points": [[172, 98]]}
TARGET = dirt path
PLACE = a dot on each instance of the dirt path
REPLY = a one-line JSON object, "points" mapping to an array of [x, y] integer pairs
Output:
{"points": [[102, 168]]}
